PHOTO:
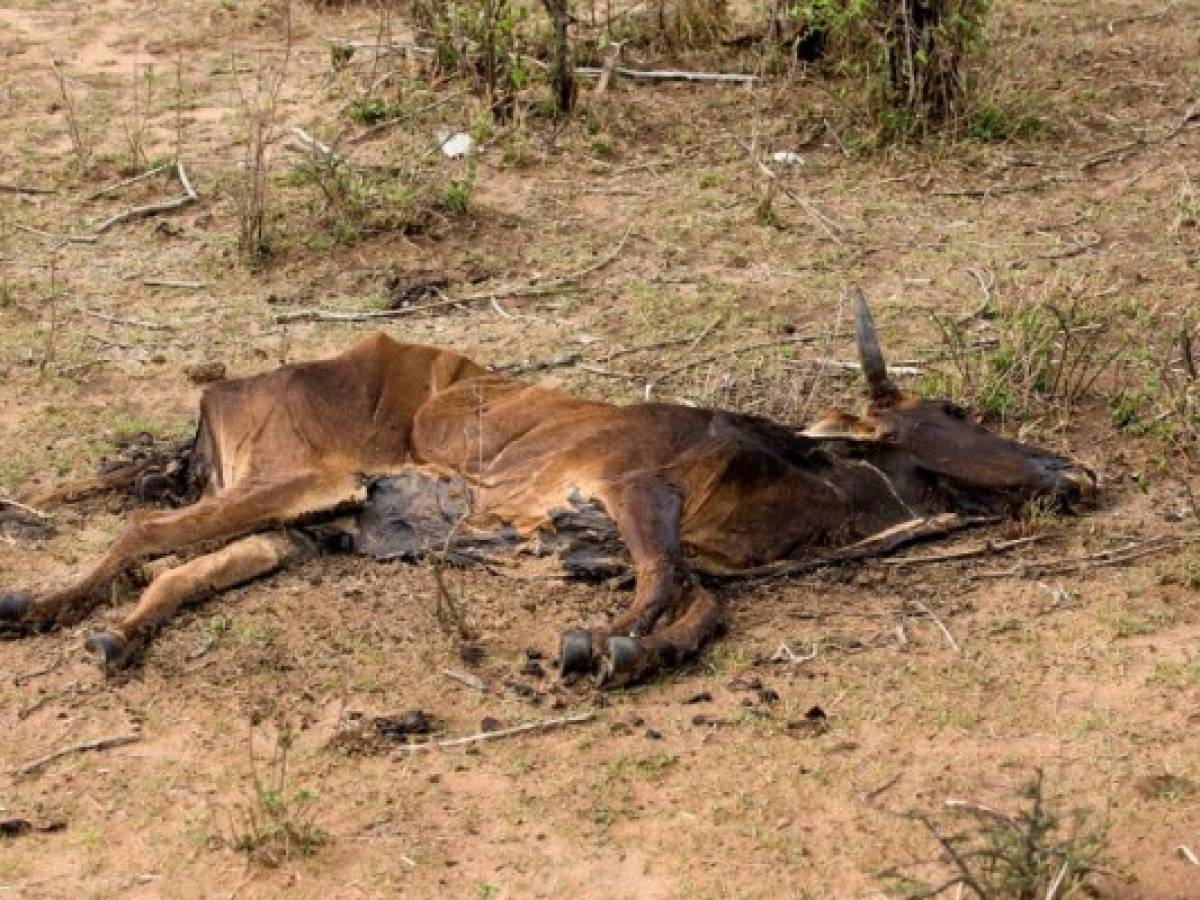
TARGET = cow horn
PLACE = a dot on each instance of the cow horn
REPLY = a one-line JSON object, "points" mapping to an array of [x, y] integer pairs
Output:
{"points": [[873, 367]]}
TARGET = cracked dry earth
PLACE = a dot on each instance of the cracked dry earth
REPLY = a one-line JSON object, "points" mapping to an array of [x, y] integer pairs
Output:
{"points": [[720, 780]]}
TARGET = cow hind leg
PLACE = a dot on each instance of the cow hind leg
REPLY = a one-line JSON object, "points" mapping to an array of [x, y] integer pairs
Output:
{"points": [[239, 562], [240, 510]]}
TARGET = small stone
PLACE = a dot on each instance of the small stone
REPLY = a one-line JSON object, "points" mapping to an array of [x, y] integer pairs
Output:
{"points": [[489, 724], [534, 653], [768, 695], [654, 734], [702, 697], [533, 669]]}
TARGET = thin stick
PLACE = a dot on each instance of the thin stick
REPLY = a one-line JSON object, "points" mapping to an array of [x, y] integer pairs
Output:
{"points": [[723, 354], [879, 544], [116, 186], [28, 510], [21, 677], [136, 323], [8, 188], [543, 725], [669, 75], [787, 655], [938, 622], [474, 682], [107, 743], [66, 238], [987, 548], [171, 283], [529, 289], [997, 190]]}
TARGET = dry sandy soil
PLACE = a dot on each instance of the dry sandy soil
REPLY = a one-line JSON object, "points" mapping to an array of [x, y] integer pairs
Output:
{"points": [[1092, 674]]}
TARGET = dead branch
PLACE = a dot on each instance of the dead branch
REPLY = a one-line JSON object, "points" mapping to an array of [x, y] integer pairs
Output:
{"points": [[938, 622], [987, 548], [786, 654], [152, 209], [9, 188], [1116, 557], [107, 743], [22, 677], [124, 183], [668, 75], [997, 190], [136, 323], [65, 238], [534, 288], [879, 544], [543, 725], [172, 283], [474, 682], [1122, 151], [28, 510]]}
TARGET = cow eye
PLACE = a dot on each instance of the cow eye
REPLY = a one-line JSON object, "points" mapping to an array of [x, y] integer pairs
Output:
{"points": [[954, 411]]}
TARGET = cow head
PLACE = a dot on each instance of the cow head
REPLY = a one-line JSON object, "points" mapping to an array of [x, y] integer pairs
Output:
{"points": [[942, 440]]}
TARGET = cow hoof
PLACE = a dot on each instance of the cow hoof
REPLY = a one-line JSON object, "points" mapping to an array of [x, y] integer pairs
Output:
{"points": [[575, 653], [111, 651], [622, 664], [14, 606]]}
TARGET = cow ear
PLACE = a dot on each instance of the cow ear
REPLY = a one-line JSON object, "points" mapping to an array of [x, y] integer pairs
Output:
{"points": [[845, 427]]}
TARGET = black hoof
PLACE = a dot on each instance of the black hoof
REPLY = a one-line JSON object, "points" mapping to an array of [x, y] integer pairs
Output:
{"points": [[623, 663], [575, 653], [112, 652], [14, 606]]}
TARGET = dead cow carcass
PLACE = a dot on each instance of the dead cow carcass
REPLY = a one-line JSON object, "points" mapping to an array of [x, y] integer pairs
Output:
{"points": [[432, 449]]}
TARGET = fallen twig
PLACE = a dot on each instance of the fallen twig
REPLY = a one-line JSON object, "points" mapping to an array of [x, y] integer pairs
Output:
{"points": [[653, 382], [879, 544], [1118, 556], [1191, 114], [172, 283], [28, 510], [786, 654], [474, 682], [987, 548], [124, 183], [668, 75], [543, 725], [1188, 853], [534, 288], [66, 238], [136, 323], [871, 795], [107, 743], [997, 189], [8, 188], [151, 209], [938, 622], [22, 677]]}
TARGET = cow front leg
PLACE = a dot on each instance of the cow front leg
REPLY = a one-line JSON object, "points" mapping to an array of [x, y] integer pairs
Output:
{"points": [[241, 561], [244, 508], [646, 510]]}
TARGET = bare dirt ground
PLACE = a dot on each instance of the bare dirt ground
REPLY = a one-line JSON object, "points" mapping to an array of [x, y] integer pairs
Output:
{"points": [[1092, 675]]}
